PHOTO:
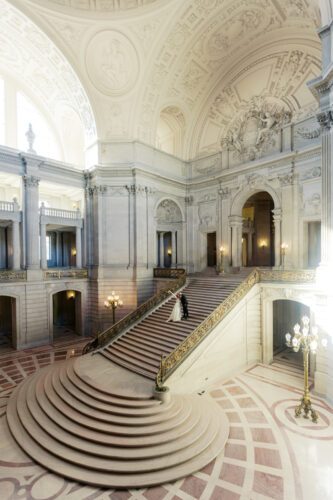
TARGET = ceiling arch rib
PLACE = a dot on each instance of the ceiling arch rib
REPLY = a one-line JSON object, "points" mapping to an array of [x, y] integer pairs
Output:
{"points": [[276, 72], [28, 54]]}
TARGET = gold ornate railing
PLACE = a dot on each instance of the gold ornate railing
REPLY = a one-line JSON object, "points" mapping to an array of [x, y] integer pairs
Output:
{"points": [[182, 351], [114, 331], [168, 272], [177, 356], [10, 275], [51, 274], [297, 275]]}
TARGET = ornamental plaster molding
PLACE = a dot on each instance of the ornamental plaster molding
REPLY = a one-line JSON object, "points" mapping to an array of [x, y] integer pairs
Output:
{"points": [[112, 62], [168, 211], [96, 5], [29, 55]]}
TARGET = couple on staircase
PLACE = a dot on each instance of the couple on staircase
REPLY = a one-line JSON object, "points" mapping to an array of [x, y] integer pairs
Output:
{"points": [[176, 312]]}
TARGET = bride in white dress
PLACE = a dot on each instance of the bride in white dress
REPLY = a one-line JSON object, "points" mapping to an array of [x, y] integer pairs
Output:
{"points": [[176, 314]]}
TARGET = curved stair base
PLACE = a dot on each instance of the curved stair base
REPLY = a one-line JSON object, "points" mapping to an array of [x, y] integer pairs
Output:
{"points": [[69, 420]]}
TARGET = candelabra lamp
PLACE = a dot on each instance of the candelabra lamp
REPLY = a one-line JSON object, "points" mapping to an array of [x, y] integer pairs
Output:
{"points": [[112, 302], [284, 247], [222, 253], [307, 341]]}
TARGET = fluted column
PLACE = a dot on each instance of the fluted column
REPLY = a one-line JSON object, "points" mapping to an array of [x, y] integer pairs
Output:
{"points": [[78, 247], [32, 221], [161, 249], [43, 260], [16, 245], [277, 236], [249, 248], [173, 249]]}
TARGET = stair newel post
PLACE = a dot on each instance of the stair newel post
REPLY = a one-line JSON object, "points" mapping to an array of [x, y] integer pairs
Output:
{"points": [[161, 392]]}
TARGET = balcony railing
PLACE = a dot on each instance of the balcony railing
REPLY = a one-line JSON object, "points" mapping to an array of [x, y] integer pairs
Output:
{"points": [[10, 275], [60, 213], [57, 274]]}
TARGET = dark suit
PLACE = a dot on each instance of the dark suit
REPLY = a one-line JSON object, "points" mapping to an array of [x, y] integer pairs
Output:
{"points": [[184, 302]]}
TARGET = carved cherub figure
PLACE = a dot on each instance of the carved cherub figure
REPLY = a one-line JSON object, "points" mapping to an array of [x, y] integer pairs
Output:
{"points": [[268, 121]]}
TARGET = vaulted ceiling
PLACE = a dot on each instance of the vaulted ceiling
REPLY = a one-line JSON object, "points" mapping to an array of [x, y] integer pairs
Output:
{"points": [[156, 68]]}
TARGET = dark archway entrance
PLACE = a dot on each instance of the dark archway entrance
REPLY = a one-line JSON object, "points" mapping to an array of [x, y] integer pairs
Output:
{"points": [[211, 249], [66, 313], [7, 321], [258, 231], [286, 313]]}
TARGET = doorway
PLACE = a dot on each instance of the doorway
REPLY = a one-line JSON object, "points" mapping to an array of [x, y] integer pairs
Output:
{"points": [[286, 313], [258, 231], [7, 322], [211, 249], [66, 313]]}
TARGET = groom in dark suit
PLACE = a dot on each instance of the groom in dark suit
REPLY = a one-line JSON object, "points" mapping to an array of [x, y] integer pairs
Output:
{"points": [[184, 302]]}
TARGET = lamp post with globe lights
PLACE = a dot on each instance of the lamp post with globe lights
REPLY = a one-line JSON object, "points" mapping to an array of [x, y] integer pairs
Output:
{"points": [[113, 301], [307, 340]]}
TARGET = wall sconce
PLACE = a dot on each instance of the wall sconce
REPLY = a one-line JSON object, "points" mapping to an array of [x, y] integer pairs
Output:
{"points": [[169, 251], [284, 247], [263, 244], [222, 252], [73, 252], [70, 294]]}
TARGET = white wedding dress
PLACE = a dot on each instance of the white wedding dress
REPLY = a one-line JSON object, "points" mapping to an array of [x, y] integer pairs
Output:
{"points": [[176, 314]]}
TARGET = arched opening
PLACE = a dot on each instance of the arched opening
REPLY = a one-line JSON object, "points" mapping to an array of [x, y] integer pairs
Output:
{"points": [[7, 321], [169, 234], [258, 231], [171, 130], [286, 313], [66, 313]]}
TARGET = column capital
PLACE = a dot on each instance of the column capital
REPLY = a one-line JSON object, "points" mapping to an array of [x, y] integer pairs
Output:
{"points": [[325, 119], [31, 181], [235, 220], [277, 214]]}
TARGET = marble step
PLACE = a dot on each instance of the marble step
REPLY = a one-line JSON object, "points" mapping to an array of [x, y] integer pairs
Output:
{"points": [[59, 429]]}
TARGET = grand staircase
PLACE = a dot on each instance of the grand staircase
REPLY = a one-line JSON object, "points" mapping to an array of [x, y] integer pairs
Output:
{"points": [[98, 419], [140, 348]]}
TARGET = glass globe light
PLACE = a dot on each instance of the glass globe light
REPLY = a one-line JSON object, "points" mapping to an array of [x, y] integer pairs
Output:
{"points": [[306, 320], [305, 332], [294, 342], [324, 342], [288, 337], [297, 328], [313, 345]]}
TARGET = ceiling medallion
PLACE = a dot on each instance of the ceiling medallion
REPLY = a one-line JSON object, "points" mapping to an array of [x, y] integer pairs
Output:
{"points": [[112, 63]]}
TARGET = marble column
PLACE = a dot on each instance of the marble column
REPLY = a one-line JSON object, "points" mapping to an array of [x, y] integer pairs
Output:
{"points": [[43, 260], [161, 249], [59, 249], [236, 224], [16, 245], [277, 236], [32, 221], [173, 249], [78, 247]]}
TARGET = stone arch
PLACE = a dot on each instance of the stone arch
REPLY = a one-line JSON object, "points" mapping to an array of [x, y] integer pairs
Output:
{"points": [[240, 198], [170, 234], [169, 206]]}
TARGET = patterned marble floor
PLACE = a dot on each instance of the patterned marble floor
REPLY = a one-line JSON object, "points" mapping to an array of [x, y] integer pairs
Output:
{"points": [[269, 454]]}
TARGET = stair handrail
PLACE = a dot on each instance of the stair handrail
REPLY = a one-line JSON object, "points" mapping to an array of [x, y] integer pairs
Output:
{"points": [[127, 321], [183, 350]]}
